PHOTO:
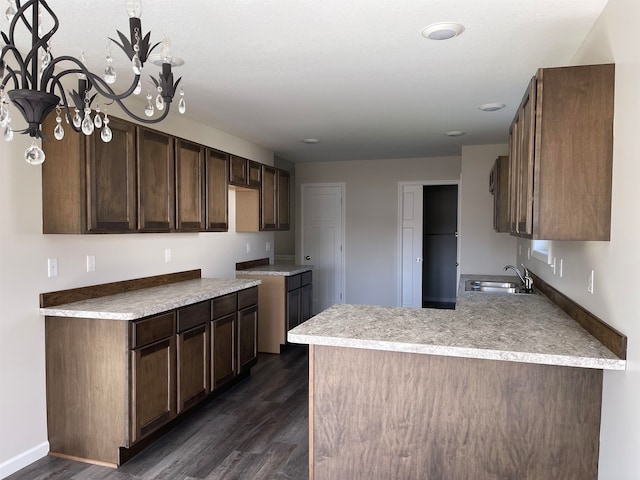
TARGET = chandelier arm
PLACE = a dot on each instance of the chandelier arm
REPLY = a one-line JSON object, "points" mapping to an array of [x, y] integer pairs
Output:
{"points": [[10, 75], [18, 58], [147, 121], [96, 81]]}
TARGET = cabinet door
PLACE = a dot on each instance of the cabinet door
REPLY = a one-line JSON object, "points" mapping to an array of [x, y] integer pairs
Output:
{"points": [[524, 163], [189, 186], [282, 200], [156, 189], [500, 175], [253, 174], [192, 366], [306, 297], [238, 172], [293, 308], [111, 180], [268, 207], [217, 195], [153, 401], [223, 350], [247, 338]]}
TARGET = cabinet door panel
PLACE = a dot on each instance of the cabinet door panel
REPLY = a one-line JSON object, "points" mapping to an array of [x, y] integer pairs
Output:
{"points": [[189, 185], [247, 338], [156, 211], [283, 179], [223, 350], [217, 195], [268, 199], [293, 308], [153, 387], [306, 297], [111, 177], [253, 174], [192, 366]]}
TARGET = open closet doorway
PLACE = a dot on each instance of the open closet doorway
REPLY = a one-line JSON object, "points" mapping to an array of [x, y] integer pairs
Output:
{"points": [[437, 267]]}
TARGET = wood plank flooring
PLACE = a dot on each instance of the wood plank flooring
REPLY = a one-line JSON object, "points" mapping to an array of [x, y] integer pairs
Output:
{"points": [[257, 430]]}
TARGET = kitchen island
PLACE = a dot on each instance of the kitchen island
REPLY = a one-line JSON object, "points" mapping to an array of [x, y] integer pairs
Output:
{"points": [[504, 386]]}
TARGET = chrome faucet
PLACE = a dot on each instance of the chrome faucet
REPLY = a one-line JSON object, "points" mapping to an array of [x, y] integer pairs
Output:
{"points": [[527, 281]]}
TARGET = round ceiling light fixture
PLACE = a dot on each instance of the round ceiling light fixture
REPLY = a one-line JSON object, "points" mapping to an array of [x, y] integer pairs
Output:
{"points": [[442, 30], [311, 141], [491, 107], [454, 133]]}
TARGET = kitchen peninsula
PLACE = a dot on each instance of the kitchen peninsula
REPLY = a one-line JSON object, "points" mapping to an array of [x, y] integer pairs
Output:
{"points": [[126, 360], [504, 386]]}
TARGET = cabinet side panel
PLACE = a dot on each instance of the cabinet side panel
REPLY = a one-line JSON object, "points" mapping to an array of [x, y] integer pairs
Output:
{"points": [[382, 415], [87, 387]]}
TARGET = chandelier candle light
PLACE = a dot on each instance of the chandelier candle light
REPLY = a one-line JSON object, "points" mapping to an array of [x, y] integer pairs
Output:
{"points": [[36, 82]]}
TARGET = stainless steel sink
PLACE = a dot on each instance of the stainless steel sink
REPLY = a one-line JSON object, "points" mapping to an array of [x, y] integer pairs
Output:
{"points": [[492, 286]]}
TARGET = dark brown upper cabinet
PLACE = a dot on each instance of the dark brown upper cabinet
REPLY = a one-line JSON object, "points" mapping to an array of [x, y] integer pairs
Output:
{"points": [[499, 187], [216, 191], [561, 155], [156, 186], [268, 202], [89, 186], [244, 172], [190, 168], [282, 207]]}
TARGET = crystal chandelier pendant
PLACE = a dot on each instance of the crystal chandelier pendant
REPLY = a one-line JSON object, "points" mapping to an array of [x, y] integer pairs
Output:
{"points": [[34, 154], [87, 122], [159, 100], [58, 131], [8, 133], [109, 72], [77, 120], [97, 120], [46, 58], [138, 88], [4, 114], [148, 111], [10, 12], [106, 135], [182, 106]]}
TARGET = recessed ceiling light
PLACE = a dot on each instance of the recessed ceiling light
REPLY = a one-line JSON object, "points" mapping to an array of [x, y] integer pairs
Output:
{"points": [[310, 140], [442, 30], [491, 107], [454, 133]]}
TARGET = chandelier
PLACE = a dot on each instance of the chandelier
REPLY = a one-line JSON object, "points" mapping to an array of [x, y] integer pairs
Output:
{"points": [[36, 78]]}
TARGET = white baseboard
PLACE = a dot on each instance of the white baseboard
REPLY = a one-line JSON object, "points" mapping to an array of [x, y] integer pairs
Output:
{"points": [[18, 462]]}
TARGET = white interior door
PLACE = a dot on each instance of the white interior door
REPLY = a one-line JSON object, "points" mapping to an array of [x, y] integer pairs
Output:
{"points": [[411, 242], [322, 226]]}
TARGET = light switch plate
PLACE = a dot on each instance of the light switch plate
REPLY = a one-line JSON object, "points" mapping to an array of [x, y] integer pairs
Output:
{"points": [[52, 267], [91, 263]]}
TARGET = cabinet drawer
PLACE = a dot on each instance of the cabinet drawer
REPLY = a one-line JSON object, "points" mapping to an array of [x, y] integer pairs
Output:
{"points": [[224, 305], [247, 297], [149, 330], [293, 282], [306, 278], [194, 315]]}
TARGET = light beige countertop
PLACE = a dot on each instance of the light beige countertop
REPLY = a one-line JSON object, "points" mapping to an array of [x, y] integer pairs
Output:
{"points": [[494, 326], [277, 269], [149, 301]]}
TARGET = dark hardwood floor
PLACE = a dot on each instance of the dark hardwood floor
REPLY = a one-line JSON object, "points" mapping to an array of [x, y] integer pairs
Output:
{"points": [[257, 430]]}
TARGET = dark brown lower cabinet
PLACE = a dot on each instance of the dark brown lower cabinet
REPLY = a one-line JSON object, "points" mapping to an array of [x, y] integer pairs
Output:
{"points": [[223, 350], [113, 384], [153, 400]]}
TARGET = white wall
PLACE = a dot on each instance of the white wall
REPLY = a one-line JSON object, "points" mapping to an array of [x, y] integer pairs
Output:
{"points": [[371, 200], [482, 250], [614, 38], [23, 257]]}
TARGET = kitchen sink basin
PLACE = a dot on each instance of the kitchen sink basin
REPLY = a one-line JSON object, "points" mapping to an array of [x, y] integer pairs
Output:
{"points": [[493, 286]]}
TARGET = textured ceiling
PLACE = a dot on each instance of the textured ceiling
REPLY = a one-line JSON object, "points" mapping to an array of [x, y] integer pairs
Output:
{"points": [[356, 74]]}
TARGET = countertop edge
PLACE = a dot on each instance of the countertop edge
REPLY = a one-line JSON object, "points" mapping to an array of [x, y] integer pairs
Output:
{"points": [[449, 351]]}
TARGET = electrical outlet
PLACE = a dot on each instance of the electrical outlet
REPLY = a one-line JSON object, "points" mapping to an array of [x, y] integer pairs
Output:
{"points": [[529, 253], [519, 250], [268, 247], [248, 247], [553, 265], [52, 267], [91, 263], [167, 254], [590, 283]]}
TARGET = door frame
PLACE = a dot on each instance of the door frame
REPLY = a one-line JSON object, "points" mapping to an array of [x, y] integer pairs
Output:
{"points": [[399, 265], [343, 203]]}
